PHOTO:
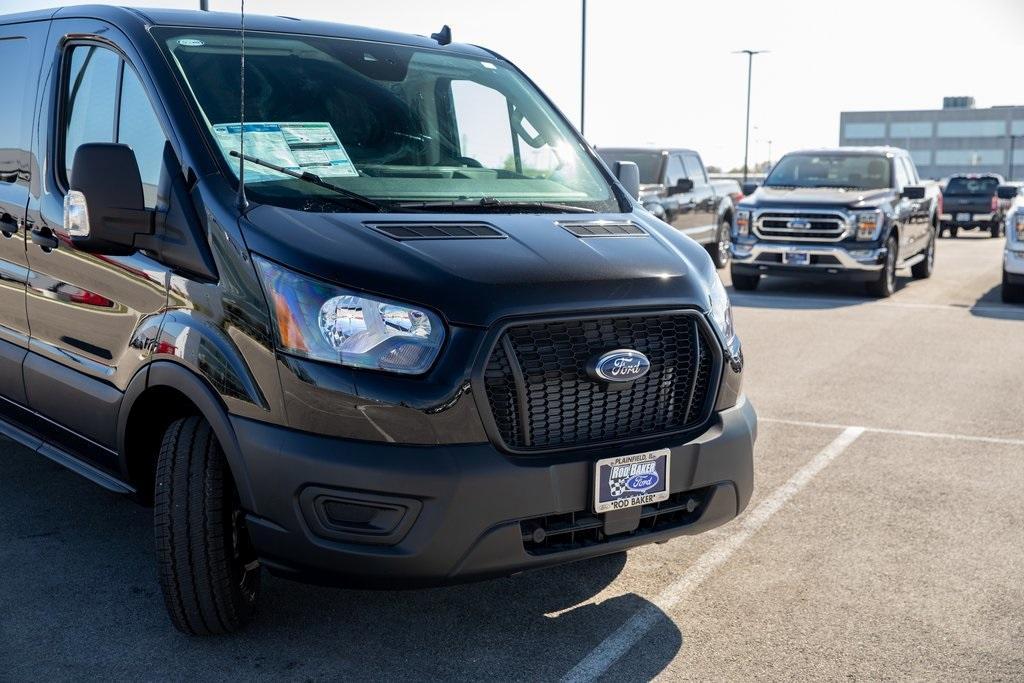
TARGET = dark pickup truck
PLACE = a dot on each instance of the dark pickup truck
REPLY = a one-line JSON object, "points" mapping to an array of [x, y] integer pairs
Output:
{"points": [[969, 202], [674, 186], [851, 213]]}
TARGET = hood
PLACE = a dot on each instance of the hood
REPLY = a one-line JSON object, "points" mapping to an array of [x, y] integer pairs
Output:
{"points": [[539, 268], [818, 196]]}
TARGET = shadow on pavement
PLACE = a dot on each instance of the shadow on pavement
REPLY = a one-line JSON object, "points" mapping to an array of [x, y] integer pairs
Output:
{"points": [[990, 305], [79, 596]]}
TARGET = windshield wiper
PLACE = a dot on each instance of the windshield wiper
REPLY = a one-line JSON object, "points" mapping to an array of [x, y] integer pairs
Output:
{"points": [[314, 179], [491, 203]]}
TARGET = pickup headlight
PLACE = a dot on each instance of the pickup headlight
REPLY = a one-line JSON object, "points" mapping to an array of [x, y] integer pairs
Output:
{"points": [[1017, 226], [868, 224], [742, 223], [721, 311], [325, 322]]}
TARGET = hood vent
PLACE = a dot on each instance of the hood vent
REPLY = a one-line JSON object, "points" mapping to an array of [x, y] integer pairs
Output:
{"points": [[603, 228], [437, 231]]}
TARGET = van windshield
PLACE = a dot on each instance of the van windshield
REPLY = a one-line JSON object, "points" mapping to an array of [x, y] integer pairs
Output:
{"points": [[848, 171], [395, 124]]}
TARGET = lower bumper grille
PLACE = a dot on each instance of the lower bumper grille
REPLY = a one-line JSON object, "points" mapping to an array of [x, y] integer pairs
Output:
{"points": [[572, 530], [541, 396]]}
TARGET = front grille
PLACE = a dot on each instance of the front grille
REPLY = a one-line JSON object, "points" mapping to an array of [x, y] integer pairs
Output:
{"points": [[542, 398], [572, 530], [808, 226]]}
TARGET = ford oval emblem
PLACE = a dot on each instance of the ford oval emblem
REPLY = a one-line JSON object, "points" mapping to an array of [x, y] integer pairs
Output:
{"points": [[621, 365], [642, 482]]}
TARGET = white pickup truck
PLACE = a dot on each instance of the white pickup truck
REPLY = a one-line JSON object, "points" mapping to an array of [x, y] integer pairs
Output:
{"points": [[1013, 254]]}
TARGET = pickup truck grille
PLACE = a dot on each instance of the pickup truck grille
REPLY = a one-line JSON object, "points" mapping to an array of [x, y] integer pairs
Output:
{"points": [[541, 397], [800, 226]]}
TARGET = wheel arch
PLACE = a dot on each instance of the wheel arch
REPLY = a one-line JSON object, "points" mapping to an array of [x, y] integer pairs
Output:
{"points": [[159, 394]]}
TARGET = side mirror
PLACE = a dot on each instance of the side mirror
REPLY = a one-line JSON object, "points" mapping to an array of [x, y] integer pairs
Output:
{"points": [[913, 192], [104, 210], [1007, 191], [628, 174], [749, 188], [682, 186]]}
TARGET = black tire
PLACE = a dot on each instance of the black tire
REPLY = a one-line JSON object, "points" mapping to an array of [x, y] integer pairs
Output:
{"points": [[719, 249], [209, 573], [996, 230], [953, 231], [1012, 294], [744, 283], [885, 285], [924, 269]]}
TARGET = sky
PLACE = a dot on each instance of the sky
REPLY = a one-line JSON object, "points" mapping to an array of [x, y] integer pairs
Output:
{"points": [[662, 72]]}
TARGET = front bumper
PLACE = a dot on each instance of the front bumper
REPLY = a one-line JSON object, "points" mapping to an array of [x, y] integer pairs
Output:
{"points": [[1013, 262], [448, 514], [765, 258]]}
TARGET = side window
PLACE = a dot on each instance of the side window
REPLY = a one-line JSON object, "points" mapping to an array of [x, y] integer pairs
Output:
{"points": [[902, 180], [15, 56], [139, 128], [911, 171], [91, 99], [480, 114], [694, 170], [675, 170]]}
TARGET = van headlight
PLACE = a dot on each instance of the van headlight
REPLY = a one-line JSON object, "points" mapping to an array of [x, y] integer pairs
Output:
{"points": [[325, 322], [721, 311], [1017, 228]]}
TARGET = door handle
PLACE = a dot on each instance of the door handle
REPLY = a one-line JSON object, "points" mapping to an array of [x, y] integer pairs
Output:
{"points": [[45, 239], [8, 226]]}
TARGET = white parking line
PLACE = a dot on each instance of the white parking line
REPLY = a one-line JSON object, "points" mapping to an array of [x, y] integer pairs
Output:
{"points": [[612, 648], [900, 432], [798, 301]]}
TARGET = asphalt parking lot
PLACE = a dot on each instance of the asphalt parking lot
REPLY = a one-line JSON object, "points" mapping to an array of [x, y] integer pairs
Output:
{"points": [[885, 537]]}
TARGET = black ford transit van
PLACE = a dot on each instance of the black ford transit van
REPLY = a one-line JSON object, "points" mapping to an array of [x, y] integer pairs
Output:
{"points": [[434, 339]]}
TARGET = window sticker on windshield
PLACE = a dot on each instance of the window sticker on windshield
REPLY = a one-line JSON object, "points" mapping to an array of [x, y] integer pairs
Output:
{"points": [[302, 146]]}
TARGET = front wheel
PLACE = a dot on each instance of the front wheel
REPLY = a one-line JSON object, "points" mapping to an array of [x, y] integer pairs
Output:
{"points": [[1012, 294], [209, 573], [719, 250], [954, 231], [885, 285], [996, 230], [744, 283], [923, 269]]}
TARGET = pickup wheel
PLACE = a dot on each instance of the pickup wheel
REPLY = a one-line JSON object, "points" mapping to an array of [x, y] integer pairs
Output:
{"points": [[923, 270], [885, 285], [953, 231], [744, 283], [1012, 294], [209, 573], [996, 229], [719, 250]]}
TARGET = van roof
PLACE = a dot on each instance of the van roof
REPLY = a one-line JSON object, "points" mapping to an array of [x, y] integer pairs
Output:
{"points": [[131, 19]]}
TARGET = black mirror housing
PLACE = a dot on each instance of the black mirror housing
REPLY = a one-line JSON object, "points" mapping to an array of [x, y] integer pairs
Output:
{"points": [[913, 192], [107, 176], [1007, 191], [682, 186], [628, 175], [749, 188]]}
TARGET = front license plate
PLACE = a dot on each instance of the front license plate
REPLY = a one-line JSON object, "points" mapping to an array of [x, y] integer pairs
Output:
{"points": [[796, 258], [963, 217], [630, 480]]}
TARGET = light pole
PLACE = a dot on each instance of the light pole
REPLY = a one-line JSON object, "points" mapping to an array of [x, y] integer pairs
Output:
{"points": [[583, 65], [750, 67], [1013, 138]]}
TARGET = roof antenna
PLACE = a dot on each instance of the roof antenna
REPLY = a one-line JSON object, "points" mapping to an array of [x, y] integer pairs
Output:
{"points": [[243, 203], [444, 36]]}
